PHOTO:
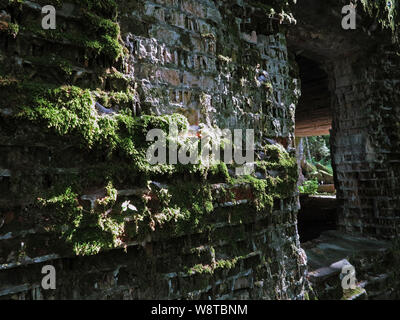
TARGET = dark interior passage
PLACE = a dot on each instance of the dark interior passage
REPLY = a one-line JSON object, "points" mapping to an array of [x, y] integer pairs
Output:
{"points": [[313, 113], [318, 213], [314, 118]]}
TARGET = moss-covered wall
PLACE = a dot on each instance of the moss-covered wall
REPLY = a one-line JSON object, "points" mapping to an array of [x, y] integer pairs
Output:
{"points": [[76, 190]]}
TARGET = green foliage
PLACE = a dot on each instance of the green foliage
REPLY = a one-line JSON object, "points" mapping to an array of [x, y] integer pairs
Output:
{"points": [[182, 208], [263, 191], [218, 265], [13, 29], [99, 33], [220, 170], [309, 187], [319, 149], [15, 2], [386, 12], [69, 110], [87, 232], [66, 207]]}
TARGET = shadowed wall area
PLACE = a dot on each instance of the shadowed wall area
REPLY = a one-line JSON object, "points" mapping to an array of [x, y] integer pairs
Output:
{"points": [[360, 65]]}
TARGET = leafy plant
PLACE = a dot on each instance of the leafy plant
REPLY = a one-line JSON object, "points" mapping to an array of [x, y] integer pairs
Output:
{"points": [[309, 187]]}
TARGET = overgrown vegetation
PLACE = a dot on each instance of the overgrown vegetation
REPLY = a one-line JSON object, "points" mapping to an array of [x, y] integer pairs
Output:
{"points": [[387, 14], [309, 187], [98, 34], [317, 151], [120, 139], [315, 159], [115, 144]]}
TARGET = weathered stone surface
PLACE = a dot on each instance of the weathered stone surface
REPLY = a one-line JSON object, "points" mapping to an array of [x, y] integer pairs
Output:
{"points": [[205, 59], [331, 252], [219, 63], [360, 67]]}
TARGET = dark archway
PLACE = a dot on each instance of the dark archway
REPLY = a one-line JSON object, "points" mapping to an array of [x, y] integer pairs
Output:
{"points": [[313, 113], [363, 143], [318, 213]]}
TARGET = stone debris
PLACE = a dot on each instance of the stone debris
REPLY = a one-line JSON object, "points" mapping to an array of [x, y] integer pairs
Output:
{"points": [[103, 110]]}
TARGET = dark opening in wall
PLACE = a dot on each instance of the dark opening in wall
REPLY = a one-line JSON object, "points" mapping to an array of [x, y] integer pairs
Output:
{"points": [[4, 185], [313, 112], [313, 123], [316, 185], [318, 213]]}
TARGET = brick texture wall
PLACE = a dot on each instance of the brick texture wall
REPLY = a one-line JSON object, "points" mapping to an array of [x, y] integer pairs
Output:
{"points": [[217, 62], [365, 143]]}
